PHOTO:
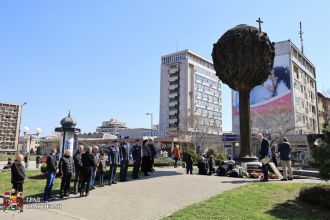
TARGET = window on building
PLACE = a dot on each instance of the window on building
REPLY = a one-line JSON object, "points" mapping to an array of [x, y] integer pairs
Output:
{"points": [[295, 70]]}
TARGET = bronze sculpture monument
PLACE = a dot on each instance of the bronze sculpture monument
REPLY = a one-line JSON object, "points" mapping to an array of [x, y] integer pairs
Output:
{"points": [[243, 58]]}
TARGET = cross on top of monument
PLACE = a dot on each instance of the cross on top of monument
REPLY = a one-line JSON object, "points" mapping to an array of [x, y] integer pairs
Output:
{"points": [[260, 22]]}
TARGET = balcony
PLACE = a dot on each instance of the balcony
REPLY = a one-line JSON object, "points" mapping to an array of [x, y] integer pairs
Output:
{"points": [[172, 120], [173, 103], [174, 78], [172, 87], [173, 112], [173, 95]]}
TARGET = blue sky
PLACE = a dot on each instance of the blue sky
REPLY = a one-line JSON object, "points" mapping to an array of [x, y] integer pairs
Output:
{"points": [[101, 59]]}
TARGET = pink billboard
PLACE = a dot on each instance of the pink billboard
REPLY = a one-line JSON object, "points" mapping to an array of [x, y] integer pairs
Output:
{"points": [[273, 95]]}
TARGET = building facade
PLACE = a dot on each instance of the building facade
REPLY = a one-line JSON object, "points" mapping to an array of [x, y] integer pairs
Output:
{"points": [[190, 95], [323, 104], [112, 126], [9, 127], [288, 99]]}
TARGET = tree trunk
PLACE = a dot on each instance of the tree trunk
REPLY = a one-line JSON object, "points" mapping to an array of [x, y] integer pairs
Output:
{"points": [[244, 120]]}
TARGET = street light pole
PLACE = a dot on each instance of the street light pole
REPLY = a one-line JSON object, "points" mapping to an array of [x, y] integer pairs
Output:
{"points": [[29, 139], [19, 126]]}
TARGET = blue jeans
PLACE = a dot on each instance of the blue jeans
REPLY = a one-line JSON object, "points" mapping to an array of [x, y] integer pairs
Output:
{"points": [[101, 177], [112, 173], [49, 185], [92, 181]]}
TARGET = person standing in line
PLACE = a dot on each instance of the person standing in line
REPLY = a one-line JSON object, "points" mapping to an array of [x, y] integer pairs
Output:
{"points": [[211, 165], [153, 153], [66, 169], [78, 169], [125, 155], [17, 175], [176, 155], [88, 161], [50, 174], [285, 155], [114, 159], [95, 154], [264, 154], [26, 161], [102, 169], [136, 155], [189, 164], [37, 161], [145, 158]]}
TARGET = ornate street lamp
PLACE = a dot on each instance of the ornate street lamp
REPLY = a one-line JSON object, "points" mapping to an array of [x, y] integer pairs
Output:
{"points": [[29, 138]]}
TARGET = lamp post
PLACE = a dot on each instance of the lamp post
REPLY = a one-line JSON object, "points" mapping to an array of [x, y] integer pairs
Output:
{"points": [[26, 130], [19, 125], [151, 124]]}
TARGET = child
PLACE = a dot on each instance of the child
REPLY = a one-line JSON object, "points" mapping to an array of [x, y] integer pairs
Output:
{"points": [[102, 169]]}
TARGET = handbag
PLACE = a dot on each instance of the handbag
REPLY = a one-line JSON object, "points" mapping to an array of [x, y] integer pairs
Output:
{"points": [[265, 160]]}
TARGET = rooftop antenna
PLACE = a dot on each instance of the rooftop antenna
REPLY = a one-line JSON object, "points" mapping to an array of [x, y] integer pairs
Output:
{"points": [[177, 45], [301, 38]]}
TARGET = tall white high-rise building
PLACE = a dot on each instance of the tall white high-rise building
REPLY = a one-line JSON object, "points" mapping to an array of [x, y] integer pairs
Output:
{"points": [[190, 95]]}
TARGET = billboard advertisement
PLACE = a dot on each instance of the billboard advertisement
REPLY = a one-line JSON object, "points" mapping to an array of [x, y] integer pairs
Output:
{"points": [[274, 95]]}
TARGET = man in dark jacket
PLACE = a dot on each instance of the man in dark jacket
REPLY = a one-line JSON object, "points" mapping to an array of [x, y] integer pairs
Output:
{"points": [[189, 164], [114, 160], [153, 152], [66, 169], [211, 165], [78, 169], [136, 155], [264, 153], [285, 155], [17, 174], [125, 156], [50, 174], [89, 163]]}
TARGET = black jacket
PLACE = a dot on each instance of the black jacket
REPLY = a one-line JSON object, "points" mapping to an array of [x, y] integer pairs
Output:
{"points": [[51, 164], [66, 165], [189, 162], [17, 172], [88, 161], [264, 149], [152, 150], [136, 152], [285, 151], [77, 160]]}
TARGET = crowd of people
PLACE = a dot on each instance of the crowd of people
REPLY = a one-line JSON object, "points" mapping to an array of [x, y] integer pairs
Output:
{"points": [[87, 163]]}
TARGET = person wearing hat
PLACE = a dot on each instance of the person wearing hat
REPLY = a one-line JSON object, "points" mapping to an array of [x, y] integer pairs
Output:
{"points": [[136, 155], [125, 155], [114, 160]]}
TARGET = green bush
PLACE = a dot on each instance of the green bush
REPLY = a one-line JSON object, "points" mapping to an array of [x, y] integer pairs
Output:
{"points": [[210, 152], [163, 162], [219, 158], [317, 195], [193, 154], [321, 155]]}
